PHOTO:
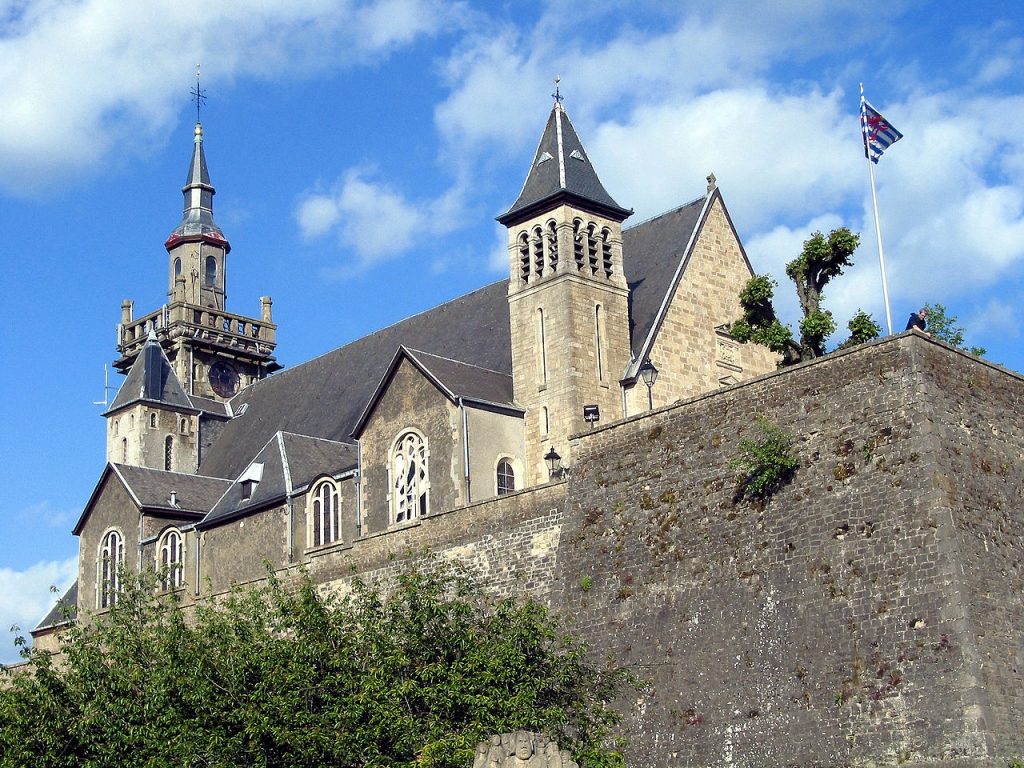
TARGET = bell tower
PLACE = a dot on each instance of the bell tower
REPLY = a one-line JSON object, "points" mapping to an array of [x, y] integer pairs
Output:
{"points": [[568, 298], [213, 352]]}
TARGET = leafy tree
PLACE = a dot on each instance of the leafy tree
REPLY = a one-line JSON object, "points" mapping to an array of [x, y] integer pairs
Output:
{"points": [[820, 260], [412, 674], [943, 326], [764, 462]]}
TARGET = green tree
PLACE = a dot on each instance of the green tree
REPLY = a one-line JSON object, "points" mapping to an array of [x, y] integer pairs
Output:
{"points": [[414, 673], [943, 326], [821, 260]]}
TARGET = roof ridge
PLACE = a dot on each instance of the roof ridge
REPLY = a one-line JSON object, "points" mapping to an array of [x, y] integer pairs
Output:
{"points": [[284, 432], [665, 213], [459, 362]]}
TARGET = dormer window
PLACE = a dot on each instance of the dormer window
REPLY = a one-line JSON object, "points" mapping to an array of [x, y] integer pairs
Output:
{"points": [[249, 480]]}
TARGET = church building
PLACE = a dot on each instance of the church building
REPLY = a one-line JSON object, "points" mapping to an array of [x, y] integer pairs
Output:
{"points": [[219, 461]]}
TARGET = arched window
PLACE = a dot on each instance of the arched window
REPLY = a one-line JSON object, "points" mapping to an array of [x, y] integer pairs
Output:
{"points": [[169, 453], [152, 420], [110, 560], [542, 348], [524, 258], [184, 426], [506, 477], [598, 331], [177, 267], [124, 450], [211, 270], [117, 423], [171, 560], [409, 481], [325, 514]]}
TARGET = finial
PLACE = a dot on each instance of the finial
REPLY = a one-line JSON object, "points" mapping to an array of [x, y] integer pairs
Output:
{"points": [[199, 97], [712, 182], [557, 96]]}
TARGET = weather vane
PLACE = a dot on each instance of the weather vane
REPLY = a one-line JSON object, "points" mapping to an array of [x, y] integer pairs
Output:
{"points": [[198, 95], [557, 96]]}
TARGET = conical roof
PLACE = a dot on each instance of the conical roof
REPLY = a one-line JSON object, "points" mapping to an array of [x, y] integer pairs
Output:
{"points": [[561, 170], [198, 216], [152, 379]]}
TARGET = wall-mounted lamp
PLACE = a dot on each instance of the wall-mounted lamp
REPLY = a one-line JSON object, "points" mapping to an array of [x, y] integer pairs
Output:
{"points": [[553, 461], [649, 374]]}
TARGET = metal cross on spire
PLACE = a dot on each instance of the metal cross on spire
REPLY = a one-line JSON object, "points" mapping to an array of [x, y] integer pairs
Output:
{"points": [[557, 96], [198, 95]]}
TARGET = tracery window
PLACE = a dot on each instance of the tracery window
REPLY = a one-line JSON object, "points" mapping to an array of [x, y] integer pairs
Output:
{"points": [[506, 477], [325, 514], [109, 562], [169, 453], [171, 560], [409, 480]]}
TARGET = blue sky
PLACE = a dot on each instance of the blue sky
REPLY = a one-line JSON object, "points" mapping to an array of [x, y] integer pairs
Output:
{"points": [[361, 150]]}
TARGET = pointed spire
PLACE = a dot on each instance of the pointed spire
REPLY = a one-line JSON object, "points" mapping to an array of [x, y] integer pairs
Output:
{"points": [[561, 170], [152, 379]]}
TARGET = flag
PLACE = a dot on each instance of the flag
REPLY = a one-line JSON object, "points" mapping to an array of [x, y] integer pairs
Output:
{"points": [[879, 134]]}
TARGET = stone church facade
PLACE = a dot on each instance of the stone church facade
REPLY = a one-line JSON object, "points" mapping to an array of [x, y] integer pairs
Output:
{"points": [[850, 620]]}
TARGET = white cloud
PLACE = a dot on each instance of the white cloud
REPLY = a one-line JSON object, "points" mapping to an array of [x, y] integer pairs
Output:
{"points": [[25, 598], [76, 79]]}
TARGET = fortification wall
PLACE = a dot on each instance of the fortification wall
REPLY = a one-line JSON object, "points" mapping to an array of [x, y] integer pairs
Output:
{"points": [[868, 613]]}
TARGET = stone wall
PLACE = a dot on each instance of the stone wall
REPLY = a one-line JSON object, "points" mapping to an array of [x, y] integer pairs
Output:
{"points": [[867, 613]]}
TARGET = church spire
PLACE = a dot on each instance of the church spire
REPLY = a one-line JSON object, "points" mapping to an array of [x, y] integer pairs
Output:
{"points": [[561, 172], [197, 220]]}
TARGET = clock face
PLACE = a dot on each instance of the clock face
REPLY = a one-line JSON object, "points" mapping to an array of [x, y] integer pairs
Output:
{"points": [[224, 379]]}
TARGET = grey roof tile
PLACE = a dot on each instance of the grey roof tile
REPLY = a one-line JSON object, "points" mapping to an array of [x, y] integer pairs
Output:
{"points": [[63, 612], [464, 380], [152, 488], [151, 379]]}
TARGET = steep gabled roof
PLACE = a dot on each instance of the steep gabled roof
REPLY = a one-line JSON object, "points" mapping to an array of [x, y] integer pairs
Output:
{"points": [[287, 464], [151, 379], [453, 378], [325, 396], [63, 612], [150, 490], [561, 170]]}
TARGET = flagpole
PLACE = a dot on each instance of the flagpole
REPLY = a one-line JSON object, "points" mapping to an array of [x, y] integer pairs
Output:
{"points": [[878, 226]]}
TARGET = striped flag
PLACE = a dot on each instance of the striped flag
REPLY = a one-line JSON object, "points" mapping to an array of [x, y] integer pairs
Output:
{"points": [[879, 134]]}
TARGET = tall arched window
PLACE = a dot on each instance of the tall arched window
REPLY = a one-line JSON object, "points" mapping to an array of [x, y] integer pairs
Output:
{"points": [[211, 270], [177, 267], [110, 560], [152, 420], [409, 481], [325, 514], [542, 348], [506, 477], [171, 560], [124, 450], [598, 332], [169, 453]]}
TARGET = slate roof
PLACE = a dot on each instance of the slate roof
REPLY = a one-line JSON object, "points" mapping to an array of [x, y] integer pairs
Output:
{"points": [[63, 611], [561, 167], [454, 378], [289, 463], [151, 489], [652, 251], [151, 379], [325, 396]]}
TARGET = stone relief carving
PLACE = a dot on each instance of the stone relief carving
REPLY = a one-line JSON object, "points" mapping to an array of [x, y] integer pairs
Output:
{"points": [[521, 749]]}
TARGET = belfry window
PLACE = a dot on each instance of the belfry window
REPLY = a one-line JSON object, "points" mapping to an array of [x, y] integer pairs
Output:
{"points": [[325, 514], [108, 567], [506, 477], [211, 270], [524, 258], [409, 479], [171, 560], [606, 252]]}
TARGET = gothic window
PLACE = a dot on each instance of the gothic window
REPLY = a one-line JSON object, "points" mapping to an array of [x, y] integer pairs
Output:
{"points": [[551, 246], [506, 477], [152, 420], [592, 249], [109, 562], [524, 258], [171, 560], [169, 453], [597, 342], [577, 243], [538, 253], [124, 450], [544, 422], [116, 426], [211, 270], [542, 343], [325, 514], [409, 480], [184, 426], [177, 267], [606, 252]]}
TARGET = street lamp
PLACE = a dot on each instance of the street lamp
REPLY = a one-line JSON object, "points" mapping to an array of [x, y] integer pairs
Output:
{"points": [[650, 375], [553, 460]]}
